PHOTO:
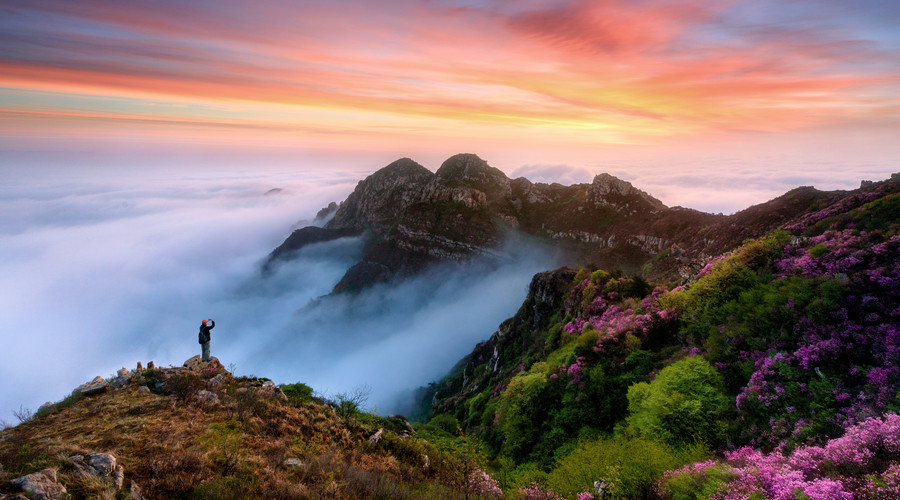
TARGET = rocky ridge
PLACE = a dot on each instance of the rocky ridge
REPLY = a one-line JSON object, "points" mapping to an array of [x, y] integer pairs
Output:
{"points": [[413, 218]]}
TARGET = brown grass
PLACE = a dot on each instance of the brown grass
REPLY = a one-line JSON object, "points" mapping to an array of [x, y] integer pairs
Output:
{"points": [[174, 448]]}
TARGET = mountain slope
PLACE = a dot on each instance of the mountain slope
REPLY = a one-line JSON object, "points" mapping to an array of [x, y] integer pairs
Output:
{"points": [[201, 433], [414, 218], [788, 341]]}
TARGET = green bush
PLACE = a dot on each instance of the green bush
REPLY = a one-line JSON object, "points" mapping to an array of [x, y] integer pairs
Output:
{"points": [[298, 393], [521, 413], [685, 404], [630, 466], [445, 423], [698, 484]]}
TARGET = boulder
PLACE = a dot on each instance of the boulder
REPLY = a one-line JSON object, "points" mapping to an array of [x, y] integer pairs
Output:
{"points": [[144, 389], [207, 398], [215, 381], [292, 462], [46, 406], [41, 485], [375, 438], [95, 386], [151, 365], [195, 364], [122, 378], [269, 389], [101, 465]]}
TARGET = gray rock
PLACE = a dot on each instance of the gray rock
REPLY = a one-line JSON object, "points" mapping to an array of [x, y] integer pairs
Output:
{"points": [[103, 463], [144, 389], [46, 406], [375, 438], [134, 492], [292, 462], [93, 387], [207, 398], [41, 485], [215, 381]]}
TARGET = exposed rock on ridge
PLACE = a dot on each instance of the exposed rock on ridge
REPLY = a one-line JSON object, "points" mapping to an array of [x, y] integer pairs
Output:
{"points": [[415, 218]]}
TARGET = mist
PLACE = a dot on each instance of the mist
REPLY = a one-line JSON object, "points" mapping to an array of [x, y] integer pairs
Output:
{"points": [[102, 268]]}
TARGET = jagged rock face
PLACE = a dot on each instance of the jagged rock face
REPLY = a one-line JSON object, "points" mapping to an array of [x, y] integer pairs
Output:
{"points": [[381, 198], [467, 179], [465, 209], [609, 190], [546, 291]]}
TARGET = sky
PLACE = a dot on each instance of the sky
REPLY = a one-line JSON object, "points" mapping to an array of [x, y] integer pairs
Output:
{"points": [[713, 105], [138, 140]]}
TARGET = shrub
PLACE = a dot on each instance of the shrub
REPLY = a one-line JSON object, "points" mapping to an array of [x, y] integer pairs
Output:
{"points": [[445, 423], [630, 466], [686, 403], [521, 413], [184, 386], [297, 393]]}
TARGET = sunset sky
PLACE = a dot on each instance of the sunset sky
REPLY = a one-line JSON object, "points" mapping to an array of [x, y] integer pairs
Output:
{"points": [[656, 92]]}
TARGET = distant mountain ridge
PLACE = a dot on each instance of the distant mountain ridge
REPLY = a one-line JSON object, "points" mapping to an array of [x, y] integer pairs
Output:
{"points": [[413, 218]]}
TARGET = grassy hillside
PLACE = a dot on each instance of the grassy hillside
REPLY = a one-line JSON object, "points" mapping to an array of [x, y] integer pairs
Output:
{"points": [[256, 441]]}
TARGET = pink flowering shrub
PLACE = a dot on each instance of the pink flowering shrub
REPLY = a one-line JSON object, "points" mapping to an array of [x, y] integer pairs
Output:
{"points": [[537, 492], [864, 463], [804, 331], [482, 484]]}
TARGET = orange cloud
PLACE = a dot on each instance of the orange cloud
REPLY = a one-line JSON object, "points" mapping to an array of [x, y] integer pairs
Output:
{"points": [[603, 70]]}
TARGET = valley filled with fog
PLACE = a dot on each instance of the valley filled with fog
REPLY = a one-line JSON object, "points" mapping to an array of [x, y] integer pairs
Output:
{"points": [[103, 269]]}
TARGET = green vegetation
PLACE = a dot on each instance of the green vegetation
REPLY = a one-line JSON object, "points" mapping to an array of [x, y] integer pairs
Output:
{"points": [[782, 343]]}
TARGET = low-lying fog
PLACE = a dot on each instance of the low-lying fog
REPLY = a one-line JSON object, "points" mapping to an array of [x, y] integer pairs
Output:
{"points": [[104, 270]]}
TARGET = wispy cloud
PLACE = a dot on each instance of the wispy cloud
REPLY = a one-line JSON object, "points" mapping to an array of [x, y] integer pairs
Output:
{"points": [[622, 71]]}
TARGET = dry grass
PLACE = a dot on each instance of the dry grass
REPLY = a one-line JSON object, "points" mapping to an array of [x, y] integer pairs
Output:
{"points": [[173, 447]]}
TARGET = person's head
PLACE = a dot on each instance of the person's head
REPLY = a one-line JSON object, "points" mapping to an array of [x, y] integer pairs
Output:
{"points": [[204, 321]]}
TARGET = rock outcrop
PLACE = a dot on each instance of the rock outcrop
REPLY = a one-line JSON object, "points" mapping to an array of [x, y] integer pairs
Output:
{"points": [[94, 386], [41, 485], [414, 218]]}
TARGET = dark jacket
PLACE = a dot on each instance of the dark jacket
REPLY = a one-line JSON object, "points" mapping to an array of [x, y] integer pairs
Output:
{"points": [[204, 331]]}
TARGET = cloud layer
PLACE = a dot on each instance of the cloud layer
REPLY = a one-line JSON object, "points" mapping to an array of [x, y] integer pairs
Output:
{"points": [[104, 270]]}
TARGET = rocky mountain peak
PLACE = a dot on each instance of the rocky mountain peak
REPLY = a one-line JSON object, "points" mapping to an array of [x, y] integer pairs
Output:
{"points": [[612, 190], [381, 197], [469, 171]]}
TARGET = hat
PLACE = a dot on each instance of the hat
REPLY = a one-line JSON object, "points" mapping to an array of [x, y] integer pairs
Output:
{"points": [[204, 321]]}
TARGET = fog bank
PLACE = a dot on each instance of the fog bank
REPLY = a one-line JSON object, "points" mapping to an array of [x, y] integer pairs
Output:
{"points": [[102, 269]]}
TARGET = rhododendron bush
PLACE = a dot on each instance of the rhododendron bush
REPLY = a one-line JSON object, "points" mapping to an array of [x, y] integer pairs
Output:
{"points": [[864, 463], [781, 357]]}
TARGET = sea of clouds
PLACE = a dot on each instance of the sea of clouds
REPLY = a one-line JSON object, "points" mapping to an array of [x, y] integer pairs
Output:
{"points": [[101, 268], [107, 263]]}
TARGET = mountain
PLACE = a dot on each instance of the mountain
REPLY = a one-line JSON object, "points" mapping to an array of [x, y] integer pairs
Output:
{"points": [[411, 218], [765, 369]]}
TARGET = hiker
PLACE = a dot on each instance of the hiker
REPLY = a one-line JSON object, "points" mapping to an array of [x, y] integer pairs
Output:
{"points": [[205, 326]]}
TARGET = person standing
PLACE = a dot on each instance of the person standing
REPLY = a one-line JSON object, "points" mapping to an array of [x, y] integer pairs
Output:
{"points": [[205, 326]]}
